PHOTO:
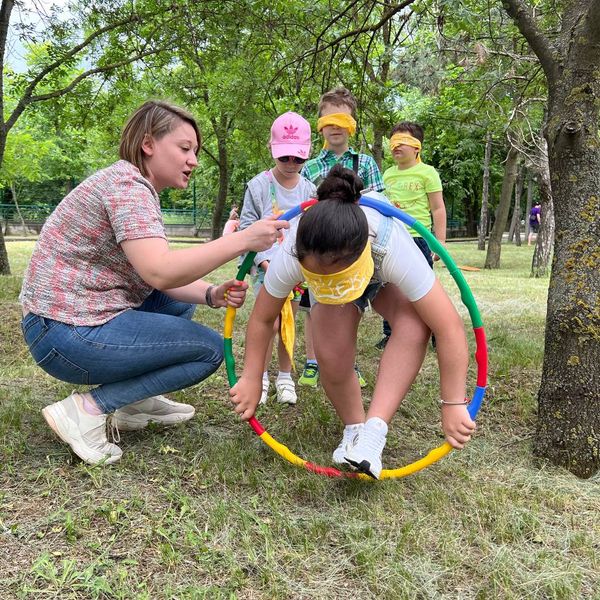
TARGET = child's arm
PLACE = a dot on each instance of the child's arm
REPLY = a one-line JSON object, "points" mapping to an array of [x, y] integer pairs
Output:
{"points": [[253, 209], [245, 394], [438, 214], [438, 312]]}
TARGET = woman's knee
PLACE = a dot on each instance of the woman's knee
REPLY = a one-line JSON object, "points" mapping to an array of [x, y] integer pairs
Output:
{"points": [[212, 348]]}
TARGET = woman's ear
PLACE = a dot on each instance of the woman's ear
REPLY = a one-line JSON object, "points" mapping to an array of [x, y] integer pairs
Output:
{"points": [[148, 145]]}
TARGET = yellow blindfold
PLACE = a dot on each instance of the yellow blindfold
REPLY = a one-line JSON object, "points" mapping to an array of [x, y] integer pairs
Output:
{"points": [[343, 120], [345, 286], [400, 139]]}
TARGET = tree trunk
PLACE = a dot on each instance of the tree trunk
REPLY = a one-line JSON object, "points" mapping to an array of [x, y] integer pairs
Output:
{"points": [[4, 264], [492, 259], [217, 226], [378, 133], [514, 233], [13, 189], [568, 431], [529, 202], [485, 194], [545, 238]]}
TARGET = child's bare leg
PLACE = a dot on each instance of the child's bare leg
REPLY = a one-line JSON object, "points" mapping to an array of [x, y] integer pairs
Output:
{"points": [[403, 354], [308, 338], [269, 354], [334, 335]]}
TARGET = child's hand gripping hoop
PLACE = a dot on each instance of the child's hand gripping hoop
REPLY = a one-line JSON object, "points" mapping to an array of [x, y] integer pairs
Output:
{"points": [[468, 300]]}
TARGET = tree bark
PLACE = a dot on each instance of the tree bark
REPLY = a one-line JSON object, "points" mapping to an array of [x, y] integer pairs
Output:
{"points": [[485, 194], [514, 233], [568, 428], [220, 129], [545, 239], [492, 259], [529, 202]]}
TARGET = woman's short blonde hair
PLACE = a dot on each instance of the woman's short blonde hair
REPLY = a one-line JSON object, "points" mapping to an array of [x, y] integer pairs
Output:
{"points": [[154, 118]]}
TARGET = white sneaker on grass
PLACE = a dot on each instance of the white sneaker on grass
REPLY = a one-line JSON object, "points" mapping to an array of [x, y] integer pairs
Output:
{"points": [[349, 438], [365, 455], [156, 409], [85, 433], [286, 391]]}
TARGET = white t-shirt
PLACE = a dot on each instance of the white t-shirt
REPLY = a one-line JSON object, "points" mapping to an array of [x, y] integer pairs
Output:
{"points": [[403, 265]]}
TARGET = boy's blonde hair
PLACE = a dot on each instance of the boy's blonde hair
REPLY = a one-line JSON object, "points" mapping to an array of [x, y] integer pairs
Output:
{"points": [[340, 96], [154, 118]]}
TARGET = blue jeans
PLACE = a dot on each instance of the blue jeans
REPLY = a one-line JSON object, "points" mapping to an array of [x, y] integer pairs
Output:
{"points": [[142, 352]]}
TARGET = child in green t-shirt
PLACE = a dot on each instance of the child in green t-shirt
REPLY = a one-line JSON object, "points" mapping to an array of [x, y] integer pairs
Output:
{"points": [[416, 188]]}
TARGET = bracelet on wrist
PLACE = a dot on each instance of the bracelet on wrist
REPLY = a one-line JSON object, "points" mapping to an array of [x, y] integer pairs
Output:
{"points": [[208, 297], [447, 403]]}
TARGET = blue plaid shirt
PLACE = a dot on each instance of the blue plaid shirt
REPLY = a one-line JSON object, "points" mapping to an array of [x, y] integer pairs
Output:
{"points": [[317, 168]]}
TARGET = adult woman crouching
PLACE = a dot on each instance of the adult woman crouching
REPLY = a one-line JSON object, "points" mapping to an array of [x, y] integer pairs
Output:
{"points": [[105, 300]]}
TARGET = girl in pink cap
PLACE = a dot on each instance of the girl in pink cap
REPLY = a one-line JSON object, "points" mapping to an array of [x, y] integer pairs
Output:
{"points": [[273, 192]]}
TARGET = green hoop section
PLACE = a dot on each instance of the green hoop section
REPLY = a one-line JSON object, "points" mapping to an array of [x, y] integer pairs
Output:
{"points": [[468, 300]]}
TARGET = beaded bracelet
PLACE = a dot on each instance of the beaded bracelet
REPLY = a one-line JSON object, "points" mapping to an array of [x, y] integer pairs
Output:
{"points": [[208, 297], [445, 402]]}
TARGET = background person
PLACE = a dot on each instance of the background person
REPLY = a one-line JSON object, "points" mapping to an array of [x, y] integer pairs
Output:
{"points": [[105, 300], [535, 220], [416, 188], [273, 192], [337, 111]]}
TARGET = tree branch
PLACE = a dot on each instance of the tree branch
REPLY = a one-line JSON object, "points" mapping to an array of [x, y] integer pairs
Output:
{"points": [[28, 98], [539, 43]]}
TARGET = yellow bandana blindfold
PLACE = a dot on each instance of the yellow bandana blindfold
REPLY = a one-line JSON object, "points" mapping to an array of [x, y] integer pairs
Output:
{"points": [[399, 139], [345, 286], [342, 120]]}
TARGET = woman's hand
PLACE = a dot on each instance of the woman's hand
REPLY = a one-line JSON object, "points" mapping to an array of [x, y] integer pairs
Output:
{"points": [[245, 395], [457, 424], [262, 234], [231, 293]]}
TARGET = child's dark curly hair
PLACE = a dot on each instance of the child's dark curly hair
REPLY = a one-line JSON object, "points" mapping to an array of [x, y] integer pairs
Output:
{"points": [[336, 228]]}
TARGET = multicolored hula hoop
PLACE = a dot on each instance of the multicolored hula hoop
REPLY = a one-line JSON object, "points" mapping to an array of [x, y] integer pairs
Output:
{"points": [[468, 300]]}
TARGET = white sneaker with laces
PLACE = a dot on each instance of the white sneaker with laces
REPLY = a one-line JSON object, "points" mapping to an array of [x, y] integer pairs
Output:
{"points": [[365, 455], [85, 433], [156, 409], [265, 391], [286, 391], [349, 438]]}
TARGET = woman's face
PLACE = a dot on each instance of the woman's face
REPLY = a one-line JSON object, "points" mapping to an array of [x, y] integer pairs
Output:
{"points": [[170, 160]]}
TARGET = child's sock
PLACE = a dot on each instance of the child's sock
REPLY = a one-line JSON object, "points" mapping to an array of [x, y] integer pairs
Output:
{"points": [[312, 362], [377, 424], [282, 375]]}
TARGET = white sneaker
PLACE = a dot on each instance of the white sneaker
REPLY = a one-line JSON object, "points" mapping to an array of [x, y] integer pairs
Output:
{"points": [[85, 433], [365, 455], [156, 409], [286, 391], [349, 438], [265, 391]]}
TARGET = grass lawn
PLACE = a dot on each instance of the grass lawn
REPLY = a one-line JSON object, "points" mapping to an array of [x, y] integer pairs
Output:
{"points": [[205, 510]]}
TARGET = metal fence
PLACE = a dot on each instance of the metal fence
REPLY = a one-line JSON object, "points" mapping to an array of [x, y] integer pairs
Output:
{"points": [[36, 214]]}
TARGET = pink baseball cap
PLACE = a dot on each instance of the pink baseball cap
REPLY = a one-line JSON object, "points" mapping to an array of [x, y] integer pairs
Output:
{"points": [[290, 136]]}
